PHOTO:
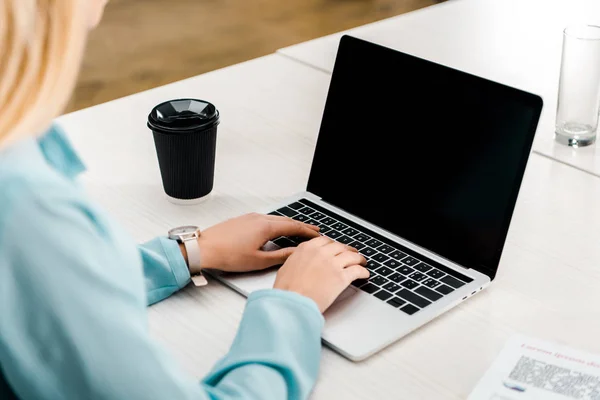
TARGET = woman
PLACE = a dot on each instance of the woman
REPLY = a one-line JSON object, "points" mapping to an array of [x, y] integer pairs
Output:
{"points": [[74, 287]]}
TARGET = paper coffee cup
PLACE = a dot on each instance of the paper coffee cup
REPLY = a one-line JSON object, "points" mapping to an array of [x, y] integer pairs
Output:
{"points": [[185, 137]]}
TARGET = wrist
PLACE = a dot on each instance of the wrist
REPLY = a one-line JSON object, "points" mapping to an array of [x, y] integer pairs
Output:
{"points": [[207, 255]]}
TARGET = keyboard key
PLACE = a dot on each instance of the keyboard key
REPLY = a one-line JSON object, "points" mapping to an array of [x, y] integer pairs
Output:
{"points": [[324, 229], [284, 242], [385, 271], [288, 212], [350, 231], [306, 211], [409, 309], [372, 265], [357, 245], [417, 276], [431, 283], [397, 255], [392, 263], [410, 261], [435, 273], [369, 288], [345, 239], [318, 215], [374, 243], [404, 270], [339, 226], [385, 249], [361, 237], [422, 267], [392, 287], [297, 205], [413, 298], [276, 213], [378, 280], [380, 257], [299, 239], [444, 289], [328, 221], [311, 221], [383, 295], [368, 252], [359, 282], [333, 234], [455, 283], [428, 293], [301, 217], [314, 222], [396, 302], [409, 284], [396, 277]]}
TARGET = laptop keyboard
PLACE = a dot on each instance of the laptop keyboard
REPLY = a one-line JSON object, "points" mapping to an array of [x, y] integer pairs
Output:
{"points": [[400, 277]]}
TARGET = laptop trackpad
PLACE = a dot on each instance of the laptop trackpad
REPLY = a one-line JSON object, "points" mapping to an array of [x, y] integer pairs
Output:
{"points": [[249, 282], [349, 291]]}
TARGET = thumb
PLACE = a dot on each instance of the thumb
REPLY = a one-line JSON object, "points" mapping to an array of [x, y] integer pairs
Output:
{"points": [[276, 257], [355, 272]]}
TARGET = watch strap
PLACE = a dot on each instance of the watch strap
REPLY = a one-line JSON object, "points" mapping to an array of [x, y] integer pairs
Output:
{"points": [[194, 262]]}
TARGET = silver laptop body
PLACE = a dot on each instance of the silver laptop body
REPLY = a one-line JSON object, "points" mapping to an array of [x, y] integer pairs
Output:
{"points": [[486, 126]]}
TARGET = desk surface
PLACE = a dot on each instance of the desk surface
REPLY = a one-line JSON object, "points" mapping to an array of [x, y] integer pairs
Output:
{"points": [[271, 107], [516, 42]]}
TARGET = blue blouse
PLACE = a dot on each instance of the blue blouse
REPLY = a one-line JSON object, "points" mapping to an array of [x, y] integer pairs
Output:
{"points": [[73, 295]]}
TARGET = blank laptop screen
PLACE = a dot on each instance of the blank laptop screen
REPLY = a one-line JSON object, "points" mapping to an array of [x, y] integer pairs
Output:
{"points": [[424, 151]]}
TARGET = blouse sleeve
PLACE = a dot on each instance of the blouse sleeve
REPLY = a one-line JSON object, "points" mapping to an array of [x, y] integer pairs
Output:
{"points": [[165, 269]]}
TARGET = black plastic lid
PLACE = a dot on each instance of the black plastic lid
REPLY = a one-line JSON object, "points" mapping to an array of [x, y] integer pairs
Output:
{"points": [[183, 115]]}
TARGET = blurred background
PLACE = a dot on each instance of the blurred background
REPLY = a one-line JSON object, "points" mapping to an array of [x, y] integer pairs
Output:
{"points": [[142, 44]]}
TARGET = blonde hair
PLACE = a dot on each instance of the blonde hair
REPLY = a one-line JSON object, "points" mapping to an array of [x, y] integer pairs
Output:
{"points": [[41, 45]]}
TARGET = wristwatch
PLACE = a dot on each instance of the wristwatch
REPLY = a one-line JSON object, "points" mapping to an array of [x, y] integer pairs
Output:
{"points": [[188, 235]]}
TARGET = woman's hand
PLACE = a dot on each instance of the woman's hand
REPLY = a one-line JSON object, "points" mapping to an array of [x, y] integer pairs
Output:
{"points": [[321, 269], [235, 245]]}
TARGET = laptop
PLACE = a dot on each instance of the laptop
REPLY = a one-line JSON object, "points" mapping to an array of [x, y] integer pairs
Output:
{"points": [[418, 166]]}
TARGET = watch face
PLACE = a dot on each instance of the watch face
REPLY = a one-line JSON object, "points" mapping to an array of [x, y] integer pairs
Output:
{"points": [[183, 230]]}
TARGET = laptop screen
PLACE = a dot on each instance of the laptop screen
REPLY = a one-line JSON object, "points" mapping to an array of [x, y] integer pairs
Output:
{"points": [[431, 154]]}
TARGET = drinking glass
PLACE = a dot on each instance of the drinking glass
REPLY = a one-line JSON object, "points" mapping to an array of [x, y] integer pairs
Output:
{"points": [[579, 87]]}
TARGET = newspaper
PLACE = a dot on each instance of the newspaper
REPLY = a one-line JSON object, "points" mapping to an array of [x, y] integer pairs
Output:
{"points": [[529, 369]]}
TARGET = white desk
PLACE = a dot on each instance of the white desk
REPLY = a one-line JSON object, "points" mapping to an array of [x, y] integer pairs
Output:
{"points": [[516, 42], [271, 109]]}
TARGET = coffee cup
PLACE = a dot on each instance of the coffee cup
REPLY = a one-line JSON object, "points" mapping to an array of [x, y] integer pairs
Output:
{"points": [[185, 137]]}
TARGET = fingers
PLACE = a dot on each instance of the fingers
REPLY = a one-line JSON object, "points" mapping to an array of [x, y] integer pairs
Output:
{"points": [[279, 218], [335, 248], [355, 272], [270, 258], [319, 241], [349, 258], [330, 246], [290, 227]]}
